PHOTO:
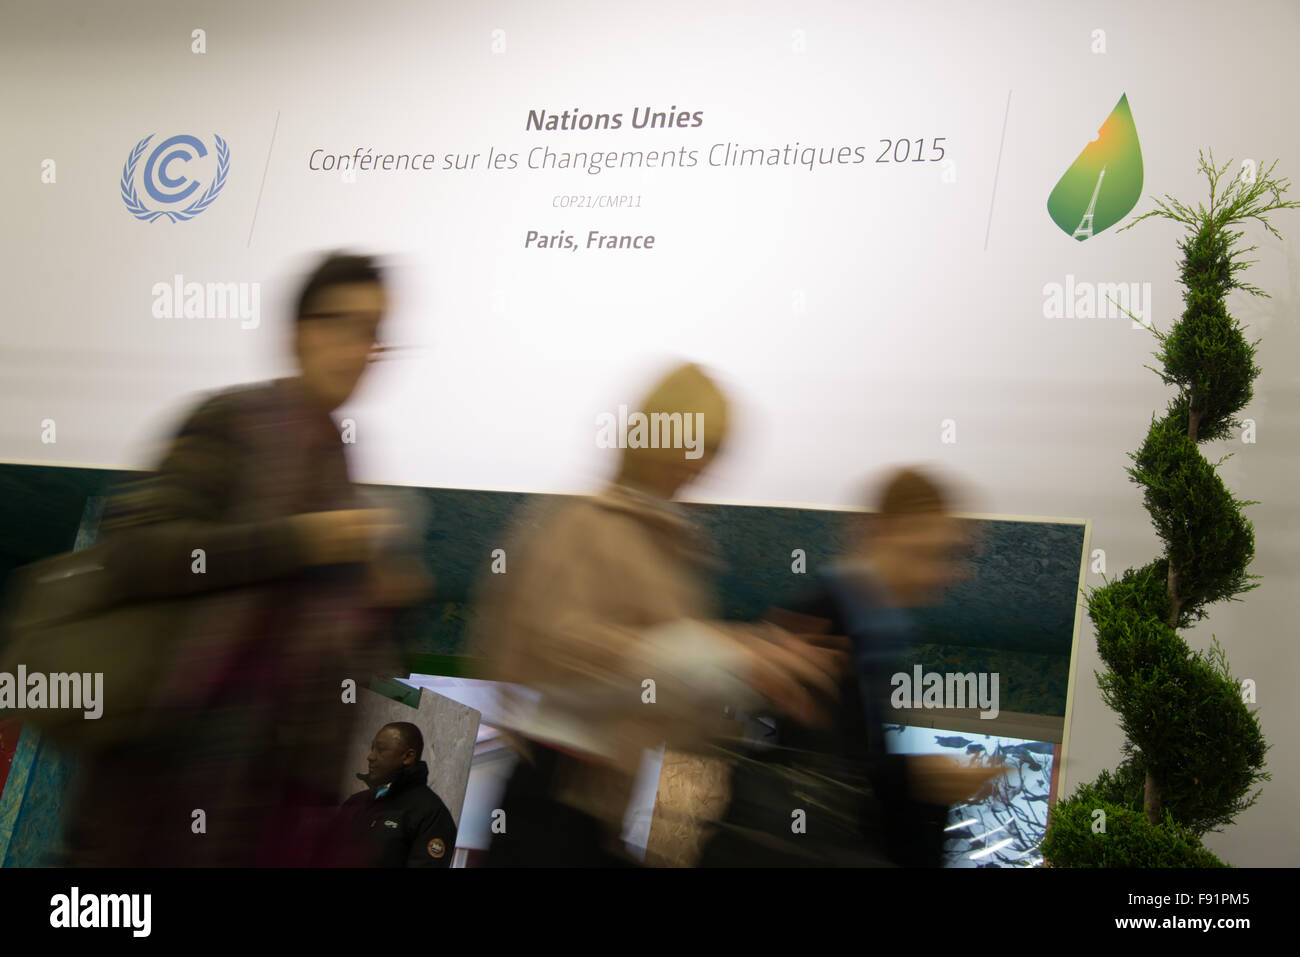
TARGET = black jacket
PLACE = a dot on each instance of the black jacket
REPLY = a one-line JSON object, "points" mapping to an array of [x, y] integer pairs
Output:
{"points": [[408, 826], [910, 830], [860, 812]]}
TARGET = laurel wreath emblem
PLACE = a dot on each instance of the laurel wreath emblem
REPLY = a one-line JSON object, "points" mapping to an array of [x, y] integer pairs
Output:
{"points": [[140, 211]]}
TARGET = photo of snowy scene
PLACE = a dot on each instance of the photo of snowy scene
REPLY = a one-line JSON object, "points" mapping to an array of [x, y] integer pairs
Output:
{"points": [[1004, 829]]}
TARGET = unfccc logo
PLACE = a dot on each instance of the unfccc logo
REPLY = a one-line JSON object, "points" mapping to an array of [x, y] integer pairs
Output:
{"points": [[165, 181]]}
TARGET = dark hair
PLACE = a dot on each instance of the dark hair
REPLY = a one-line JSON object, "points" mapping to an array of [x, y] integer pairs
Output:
{"points": [[410, 735], [336, 269]]}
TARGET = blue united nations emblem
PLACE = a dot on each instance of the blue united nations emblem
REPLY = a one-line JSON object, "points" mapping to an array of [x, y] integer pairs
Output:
{"points": [[165, 182]]}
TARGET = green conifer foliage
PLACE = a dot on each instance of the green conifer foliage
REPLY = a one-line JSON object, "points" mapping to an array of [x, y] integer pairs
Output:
{"points": [[1194, 750]]}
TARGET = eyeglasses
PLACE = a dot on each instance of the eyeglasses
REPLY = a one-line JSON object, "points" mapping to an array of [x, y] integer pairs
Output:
{"points": [[360, 324], [357, 317]]}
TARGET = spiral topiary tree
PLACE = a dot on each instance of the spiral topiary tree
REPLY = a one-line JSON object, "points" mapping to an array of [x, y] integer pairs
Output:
{"points": [[1194, 750]]}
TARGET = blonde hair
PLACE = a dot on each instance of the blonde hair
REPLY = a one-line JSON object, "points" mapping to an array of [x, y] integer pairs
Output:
{"points": [[686, 390]]}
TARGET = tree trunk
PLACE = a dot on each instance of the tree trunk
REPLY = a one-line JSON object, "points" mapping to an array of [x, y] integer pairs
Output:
{"points": [[1151, 800], [1175, 603], [1151, 794]]}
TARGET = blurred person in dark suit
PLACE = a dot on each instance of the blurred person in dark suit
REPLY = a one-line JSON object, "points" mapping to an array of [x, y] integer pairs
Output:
{"points": [[250, 712], [869, 807]]}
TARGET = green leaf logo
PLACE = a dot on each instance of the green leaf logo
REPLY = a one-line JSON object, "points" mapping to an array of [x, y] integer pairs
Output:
{"points": [[1104, 183]]}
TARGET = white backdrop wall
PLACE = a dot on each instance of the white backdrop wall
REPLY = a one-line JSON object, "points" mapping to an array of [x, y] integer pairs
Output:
{"points": [[849, 308]]}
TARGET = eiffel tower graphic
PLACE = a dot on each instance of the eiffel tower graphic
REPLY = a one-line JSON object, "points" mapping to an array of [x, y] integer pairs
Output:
{"points": [[1084, 229]]}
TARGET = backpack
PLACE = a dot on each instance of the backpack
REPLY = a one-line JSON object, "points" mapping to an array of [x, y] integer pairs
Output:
{"points": [[96, 653]]}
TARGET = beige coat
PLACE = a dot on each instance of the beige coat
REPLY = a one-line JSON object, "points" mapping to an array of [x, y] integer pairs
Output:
{"points": [[604, 609]]}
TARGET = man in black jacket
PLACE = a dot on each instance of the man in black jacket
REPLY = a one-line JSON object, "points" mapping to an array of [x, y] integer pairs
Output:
{"points": [[397, 821]]}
